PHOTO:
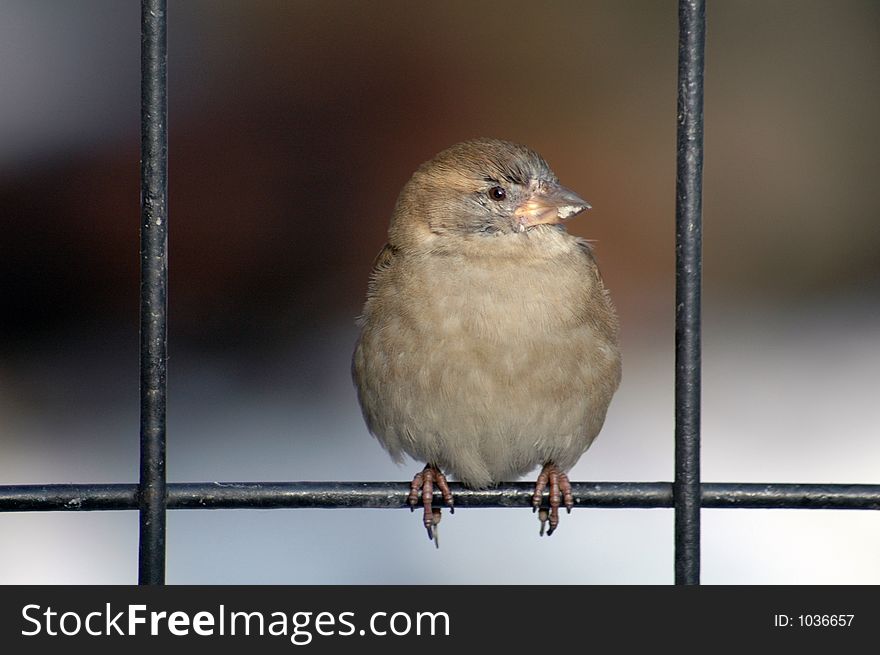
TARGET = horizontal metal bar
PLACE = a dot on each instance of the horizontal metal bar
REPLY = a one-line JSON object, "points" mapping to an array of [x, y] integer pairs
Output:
{"points": [[391, 495]]}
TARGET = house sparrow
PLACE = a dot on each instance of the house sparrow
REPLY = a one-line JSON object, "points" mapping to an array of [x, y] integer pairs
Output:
{"points": [[488, 344]]}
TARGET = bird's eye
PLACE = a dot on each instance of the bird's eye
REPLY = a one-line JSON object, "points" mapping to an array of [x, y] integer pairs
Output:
{"points": [[497, 193]]}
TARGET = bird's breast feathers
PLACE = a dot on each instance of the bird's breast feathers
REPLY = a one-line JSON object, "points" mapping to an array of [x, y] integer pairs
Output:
{"points": [[499, 354], [510, 298]]}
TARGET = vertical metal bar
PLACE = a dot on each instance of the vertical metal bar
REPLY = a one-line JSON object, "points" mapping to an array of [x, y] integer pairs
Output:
{"points": [[154, 289], [688, 274]]}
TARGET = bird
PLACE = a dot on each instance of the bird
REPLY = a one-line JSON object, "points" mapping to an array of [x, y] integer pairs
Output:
{"points": [[488, 343]]}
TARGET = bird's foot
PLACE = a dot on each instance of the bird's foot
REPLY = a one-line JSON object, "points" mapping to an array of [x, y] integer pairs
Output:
{"points": [[424, 482], [560, 492]]}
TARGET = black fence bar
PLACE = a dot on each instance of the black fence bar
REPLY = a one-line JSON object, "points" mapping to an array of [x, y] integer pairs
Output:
{"points": [[688, 265], [385, 495], [154, 290]]}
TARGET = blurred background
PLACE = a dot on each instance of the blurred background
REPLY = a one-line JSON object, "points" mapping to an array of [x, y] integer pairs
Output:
{"points": [[293, 125]]}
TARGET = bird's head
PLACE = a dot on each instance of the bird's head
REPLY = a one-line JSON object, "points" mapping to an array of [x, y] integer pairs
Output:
{"points": [[482, 188]]}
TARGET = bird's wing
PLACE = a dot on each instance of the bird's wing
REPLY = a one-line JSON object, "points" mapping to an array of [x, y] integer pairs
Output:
{"points": [[384, 259], [586, 249], [383, 263], [600, 308]]}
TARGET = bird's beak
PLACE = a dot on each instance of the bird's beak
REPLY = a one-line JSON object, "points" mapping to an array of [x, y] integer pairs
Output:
{"points": [[549, 205]]}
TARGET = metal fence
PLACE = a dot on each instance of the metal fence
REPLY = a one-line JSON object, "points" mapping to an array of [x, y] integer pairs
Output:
{"points": [[687, 494]]}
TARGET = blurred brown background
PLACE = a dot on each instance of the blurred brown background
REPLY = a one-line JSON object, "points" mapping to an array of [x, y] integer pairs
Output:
{"points": [[293, 126]]}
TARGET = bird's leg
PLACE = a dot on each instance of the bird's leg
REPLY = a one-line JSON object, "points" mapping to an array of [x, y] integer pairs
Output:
{"points": [[560, 492], [425, 482]]}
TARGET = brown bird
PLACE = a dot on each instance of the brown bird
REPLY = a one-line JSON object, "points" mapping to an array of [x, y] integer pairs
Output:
{"points": [[488, 343]]}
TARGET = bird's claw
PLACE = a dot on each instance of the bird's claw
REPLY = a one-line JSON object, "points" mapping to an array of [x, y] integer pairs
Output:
{"points": [[423, 485], [560, 493], [542, 517]]}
